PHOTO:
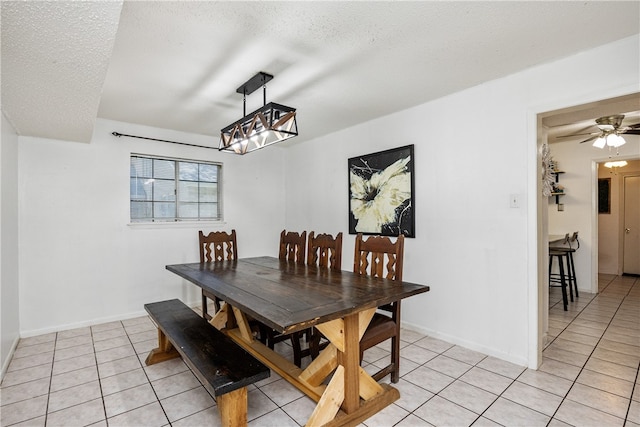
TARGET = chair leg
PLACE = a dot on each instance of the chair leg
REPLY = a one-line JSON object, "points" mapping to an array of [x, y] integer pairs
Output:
{"points": [[271, 339], [395, 358], [264, 333], [205, 313], [314, 343], [297, 349]]}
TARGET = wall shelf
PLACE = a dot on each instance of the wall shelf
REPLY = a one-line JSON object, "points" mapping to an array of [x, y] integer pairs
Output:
{"points": [[557, 194]]}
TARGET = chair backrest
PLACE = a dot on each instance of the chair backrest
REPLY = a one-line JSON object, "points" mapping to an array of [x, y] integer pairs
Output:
{"points": [[325, 251], [218, 246], [379, 257], [293, 246], [574, 240]]}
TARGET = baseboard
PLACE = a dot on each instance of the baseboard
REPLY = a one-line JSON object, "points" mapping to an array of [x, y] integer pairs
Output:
{"points": [[92, 322], [520, 361], [7, 361]]}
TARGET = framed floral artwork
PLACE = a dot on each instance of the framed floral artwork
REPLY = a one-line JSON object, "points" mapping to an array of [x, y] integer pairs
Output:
{"points": [[381, 188]]}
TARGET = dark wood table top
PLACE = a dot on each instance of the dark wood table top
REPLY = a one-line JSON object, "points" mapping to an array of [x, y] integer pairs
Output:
{"points": [[289, 297]]}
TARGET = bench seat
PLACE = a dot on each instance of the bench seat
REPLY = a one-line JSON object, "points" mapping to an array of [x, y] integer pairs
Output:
{"points": [[222, 366]]}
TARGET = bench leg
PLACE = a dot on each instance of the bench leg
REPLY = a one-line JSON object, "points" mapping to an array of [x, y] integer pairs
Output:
{"points": [[233, 408], [165, 351]]}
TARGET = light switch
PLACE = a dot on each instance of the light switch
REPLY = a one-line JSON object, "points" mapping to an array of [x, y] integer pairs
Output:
{"points": [[514, 201]]}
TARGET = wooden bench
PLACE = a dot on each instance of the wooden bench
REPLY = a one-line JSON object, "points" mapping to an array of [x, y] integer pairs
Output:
{"points": [[221, 365]]}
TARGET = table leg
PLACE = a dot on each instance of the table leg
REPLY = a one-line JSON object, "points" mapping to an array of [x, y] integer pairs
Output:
{"points": [[352, 395], [243, 325], [349, 382], [330, 402], [350, 360], [219, 320]]}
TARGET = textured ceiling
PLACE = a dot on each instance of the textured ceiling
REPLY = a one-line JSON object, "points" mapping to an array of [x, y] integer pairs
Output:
{"points": [[176, 65], [55, 57]]}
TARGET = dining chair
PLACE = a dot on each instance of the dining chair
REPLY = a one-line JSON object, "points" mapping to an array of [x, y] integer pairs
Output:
{"points": [[324, 251], [292, 248], [216, 246], [378, 256]]}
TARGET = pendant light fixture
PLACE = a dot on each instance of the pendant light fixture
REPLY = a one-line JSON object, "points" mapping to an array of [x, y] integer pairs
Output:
{"points": [[270, 124], [618, 164]]}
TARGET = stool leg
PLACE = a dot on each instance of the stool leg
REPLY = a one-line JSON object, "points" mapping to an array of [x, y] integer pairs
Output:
{"points": [[573, 272], [566, 256], [563, 283]]}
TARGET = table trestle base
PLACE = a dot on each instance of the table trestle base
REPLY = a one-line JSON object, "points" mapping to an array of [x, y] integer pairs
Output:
{"points": [[344, 401]]}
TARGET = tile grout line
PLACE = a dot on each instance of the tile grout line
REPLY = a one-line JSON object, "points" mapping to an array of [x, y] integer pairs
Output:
{"points": [[594, 348], [145, 374], [635, 383], [95, 356], [53, 359], [582, 368]]}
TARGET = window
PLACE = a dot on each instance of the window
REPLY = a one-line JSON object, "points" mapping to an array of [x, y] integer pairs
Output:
{"points": [[173, 190]]}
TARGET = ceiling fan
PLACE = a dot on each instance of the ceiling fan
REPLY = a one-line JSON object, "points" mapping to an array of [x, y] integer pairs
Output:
{"points": [[609, 132]]}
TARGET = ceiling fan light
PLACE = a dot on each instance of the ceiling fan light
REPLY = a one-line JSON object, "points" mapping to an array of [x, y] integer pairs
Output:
{"points": [[600, 142], [615, 140]]}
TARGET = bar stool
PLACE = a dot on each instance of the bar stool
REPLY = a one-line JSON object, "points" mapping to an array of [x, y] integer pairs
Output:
{"points": [[561, 255], [569, 245]]}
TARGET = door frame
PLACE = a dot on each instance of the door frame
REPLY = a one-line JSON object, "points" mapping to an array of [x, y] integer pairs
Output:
{"points": [[538, 222], [594, 215], [622, 222]]}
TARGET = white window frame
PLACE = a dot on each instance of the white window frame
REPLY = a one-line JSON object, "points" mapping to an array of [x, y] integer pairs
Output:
{"points": [[155, 218]]}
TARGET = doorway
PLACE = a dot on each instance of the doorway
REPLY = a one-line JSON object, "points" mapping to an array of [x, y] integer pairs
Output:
{"points": [[579, 213], [618, 215]]}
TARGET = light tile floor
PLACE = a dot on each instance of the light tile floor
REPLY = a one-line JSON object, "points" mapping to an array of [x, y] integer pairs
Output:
{"points": [[589, 377]]}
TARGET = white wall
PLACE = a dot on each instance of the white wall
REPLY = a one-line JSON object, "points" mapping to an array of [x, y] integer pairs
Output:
{"points": [[9, 282], [80, 260], [81, 263], [580, 182], [473, 149]]}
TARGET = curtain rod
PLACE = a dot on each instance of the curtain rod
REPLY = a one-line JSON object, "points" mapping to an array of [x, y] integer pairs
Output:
{"points": [[161, 140]]}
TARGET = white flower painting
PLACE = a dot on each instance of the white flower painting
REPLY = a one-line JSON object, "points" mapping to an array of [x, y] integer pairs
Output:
{"points": [[381, 193]]}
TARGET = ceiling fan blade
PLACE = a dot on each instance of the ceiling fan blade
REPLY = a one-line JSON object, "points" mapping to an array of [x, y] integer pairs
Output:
{"points": [[590, 139], [631, 129], [577, 134]]}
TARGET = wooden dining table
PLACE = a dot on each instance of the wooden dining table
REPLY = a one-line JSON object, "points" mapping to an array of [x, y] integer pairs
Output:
{"points": [[291, 297]]}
